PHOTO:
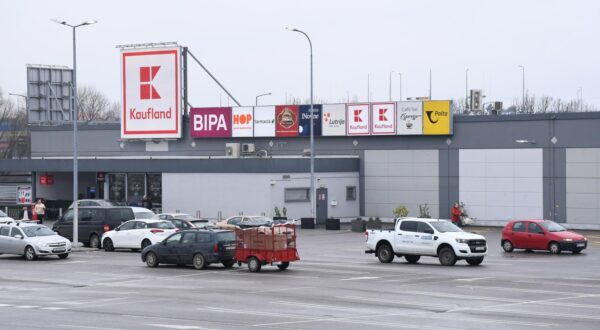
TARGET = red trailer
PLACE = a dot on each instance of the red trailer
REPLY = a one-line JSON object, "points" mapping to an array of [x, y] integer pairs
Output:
{"points": [[266, 246]]}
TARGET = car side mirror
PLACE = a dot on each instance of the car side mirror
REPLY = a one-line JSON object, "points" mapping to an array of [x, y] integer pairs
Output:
{"points": [[117, 229], [18, 236]]}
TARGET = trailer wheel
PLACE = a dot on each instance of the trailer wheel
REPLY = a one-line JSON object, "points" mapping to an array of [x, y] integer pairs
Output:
{"points": [[254, 264], [284, 265]]}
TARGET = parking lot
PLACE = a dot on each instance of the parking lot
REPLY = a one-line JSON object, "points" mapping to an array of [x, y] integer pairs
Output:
{"points": [[334, 286]]}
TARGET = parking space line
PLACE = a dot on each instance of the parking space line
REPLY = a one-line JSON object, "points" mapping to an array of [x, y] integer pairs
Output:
{"points": [[595, 286], [497, 288], [283, 289], [360, 278], [460, 296], [413, 305], [27, 306]]}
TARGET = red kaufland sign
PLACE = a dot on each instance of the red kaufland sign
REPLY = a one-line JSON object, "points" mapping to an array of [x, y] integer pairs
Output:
{"points": [[150, 82], [210, 122]]}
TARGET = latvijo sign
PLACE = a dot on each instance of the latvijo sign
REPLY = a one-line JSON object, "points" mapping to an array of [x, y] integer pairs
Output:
{"points": [[151, 98]]}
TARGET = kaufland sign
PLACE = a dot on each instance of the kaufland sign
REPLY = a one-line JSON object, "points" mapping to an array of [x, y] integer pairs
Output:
{"points": [[151, 99], [357, 116], [383, 118], [210, 122]]}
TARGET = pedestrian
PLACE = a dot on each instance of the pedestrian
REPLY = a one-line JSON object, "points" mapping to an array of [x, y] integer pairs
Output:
{"points": [[146, 202], [456, 214], [40, 210], [33, 214]]}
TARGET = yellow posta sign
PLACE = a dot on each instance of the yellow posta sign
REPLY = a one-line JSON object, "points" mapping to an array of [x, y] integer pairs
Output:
{"points": [[437, 118]]}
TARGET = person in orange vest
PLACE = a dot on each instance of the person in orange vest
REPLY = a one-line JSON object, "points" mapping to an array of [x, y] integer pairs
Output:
{"points": [[456, 214]]}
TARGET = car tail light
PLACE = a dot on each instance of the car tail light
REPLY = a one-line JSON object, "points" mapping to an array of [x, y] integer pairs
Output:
{"points": [[366, 236], [216, 248], [155, 231], [106, 228]]}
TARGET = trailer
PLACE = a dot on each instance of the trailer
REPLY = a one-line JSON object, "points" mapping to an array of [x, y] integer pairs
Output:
{"points": [[261, 246]]}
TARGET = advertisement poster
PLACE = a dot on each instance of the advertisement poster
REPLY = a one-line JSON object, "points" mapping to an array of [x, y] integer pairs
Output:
{"points": [[334, 120], [305, 120], [357, 116], [437, 118], [286, 120], [264, 121], [151, 93], [210, 122], [383, 118], [243, 122], [410, 118], [24, 195]]}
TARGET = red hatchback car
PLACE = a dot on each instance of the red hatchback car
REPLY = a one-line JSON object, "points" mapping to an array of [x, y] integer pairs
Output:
{"points": [[541, 235]]}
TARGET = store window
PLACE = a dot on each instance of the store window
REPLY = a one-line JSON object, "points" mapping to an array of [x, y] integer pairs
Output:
{"points": [[297, 194], [116, 187], [154, 188], [136, 187]]}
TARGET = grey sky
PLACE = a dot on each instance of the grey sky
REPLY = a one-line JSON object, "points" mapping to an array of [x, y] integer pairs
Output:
{"points": [[245, 45]]}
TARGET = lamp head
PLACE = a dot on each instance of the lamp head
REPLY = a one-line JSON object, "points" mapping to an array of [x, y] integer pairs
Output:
{"points": [[90, 22], [291, 29], [58, 21]]}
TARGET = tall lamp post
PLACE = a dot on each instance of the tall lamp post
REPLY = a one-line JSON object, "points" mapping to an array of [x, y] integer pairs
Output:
{"points": [[391, 85], [312, 128], [400, 85], [523, 105], [261, 95], [74, 117], [467, 89]]}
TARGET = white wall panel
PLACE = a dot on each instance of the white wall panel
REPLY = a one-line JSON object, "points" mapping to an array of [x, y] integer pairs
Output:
{"points": [[501, 184], [583, 185]]}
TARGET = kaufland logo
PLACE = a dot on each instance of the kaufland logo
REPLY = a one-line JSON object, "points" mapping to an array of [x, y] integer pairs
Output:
{"points": [[147, 90], [357, 117], [382, 116]]}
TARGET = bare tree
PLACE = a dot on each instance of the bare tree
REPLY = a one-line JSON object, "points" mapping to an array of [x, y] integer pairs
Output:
{"points": [[14, 133], [92, 105]]}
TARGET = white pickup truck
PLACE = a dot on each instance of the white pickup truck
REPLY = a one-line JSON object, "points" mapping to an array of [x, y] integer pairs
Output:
{"points": [[416, 237]]}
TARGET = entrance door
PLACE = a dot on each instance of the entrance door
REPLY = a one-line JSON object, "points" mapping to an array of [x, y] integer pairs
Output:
{"points": [[321, 205]]}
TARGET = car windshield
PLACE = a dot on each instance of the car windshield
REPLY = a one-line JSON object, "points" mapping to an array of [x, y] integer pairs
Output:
{"points": [[144, 215], [445, 227], [2, 214], [552, 226], [34, 231], [161, 225], [226, 236]]}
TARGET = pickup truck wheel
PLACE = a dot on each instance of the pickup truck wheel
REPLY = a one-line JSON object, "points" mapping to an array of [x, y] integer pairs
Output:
{"points": [[385, 253], [412, 259], [475, 261], [447, 256]]}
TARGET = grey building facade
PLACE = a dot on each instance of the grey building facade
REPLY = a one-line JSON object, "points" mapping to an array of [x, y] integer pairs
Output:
{"points": [[501, 167]]}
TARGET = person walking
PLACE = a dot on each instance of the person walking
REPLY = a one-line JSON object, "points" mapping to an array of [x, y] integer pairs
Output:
{"points": [[456, 214], [147, 203], [40, 210]]}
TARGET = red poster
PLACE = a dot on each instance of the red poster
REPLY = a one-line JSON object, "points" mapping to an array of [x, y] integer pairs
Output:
{"points": [[286, 120]]}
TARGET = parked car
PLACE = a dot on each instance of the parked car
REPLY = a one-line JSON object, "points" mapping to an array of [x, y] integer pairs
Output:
{"points": [[186, 221], [32, 241], [541, 235], [246, 221], [5, 219], [416, 237], [199, 247], [143, 213], [137, 234], [92, 202], [93, 221]]}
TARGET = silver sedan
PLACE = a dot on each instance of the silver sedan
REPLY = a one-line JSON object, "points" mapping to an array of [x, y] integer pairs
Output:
{"points": [[32, 241]]}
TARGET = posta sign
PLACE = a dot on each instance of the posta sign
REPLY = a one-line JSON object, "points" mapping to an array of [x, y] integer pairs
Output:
{"points": [[151, 99], [210, 122]]}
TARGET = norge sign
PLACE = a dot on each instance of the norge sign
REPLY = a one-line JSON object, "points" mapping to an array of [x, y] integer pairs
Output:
{"points": [[150, 81]]}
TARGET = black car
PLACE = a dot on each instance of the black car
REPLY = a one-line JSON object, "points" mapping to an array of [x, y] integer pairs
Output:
{"points": [[199, 247], [93, 222]]}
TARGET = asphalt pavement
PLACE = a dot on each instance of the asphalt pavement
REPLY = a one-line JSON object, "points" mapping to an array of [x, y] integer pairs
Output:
{"points": [[335, 286]]}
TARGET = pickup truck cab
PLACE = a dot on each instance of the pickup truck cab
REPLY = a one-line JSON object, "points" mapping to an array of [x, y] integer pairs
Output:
{"points": [[416, 237]]}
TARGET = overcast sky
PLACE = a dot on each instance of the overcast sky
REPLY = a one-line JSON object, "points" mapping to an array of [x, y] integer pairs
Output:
{"points": [[246, 46]]}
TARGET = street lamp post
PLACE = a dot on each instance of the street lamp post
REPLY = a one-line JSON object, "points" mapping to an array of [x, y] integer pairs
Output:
{"points": [[391, 85], [400, 85], [312, 128], [523, 105], [74, 117], [261, 95], [467, 89]]}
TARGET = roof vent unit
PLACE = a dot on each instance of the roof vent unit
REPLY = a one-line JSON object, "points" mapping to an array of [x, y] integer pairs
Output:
{"points": [[232, 150], [306, 152], [248, 148]]}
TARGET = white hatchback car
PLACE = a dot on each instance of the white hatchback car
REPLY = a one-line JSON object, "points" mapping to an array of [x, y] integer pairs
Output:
{"points": [[137, 234], [32, 241]]}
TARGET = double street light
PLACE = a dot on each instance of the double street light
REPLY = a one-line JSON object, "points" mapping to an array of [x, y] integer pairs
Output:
{"points": [[312, 128], [74, 118]]}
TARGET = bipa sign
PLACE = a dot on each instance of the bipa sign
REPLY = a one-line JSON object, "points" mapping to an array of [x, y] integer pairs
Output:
{"points": [[383, 118], [151, 99], [210, 122], [357, 116], [243, 122]]}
